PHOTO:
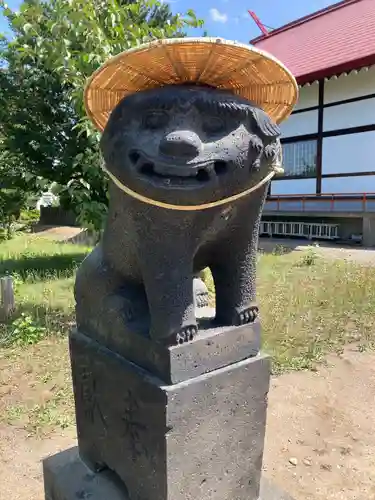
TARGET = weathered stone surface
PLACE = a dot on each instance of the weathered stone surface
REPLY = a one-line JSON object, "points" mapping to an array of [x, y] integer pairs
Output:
{"points": [[67, 477], [213, 348], [201, 438]]}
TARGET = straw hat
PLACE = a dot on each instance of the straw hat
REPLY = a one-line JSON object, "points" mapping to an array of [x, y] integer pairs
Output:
{"points": [[241, 69]]}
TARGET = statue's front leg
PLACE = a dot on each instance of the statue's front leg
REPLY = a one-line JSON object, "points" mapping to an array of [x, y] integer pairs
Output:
{"points": [[233, 268], [234, 278], [169, 290], [234, 264]]}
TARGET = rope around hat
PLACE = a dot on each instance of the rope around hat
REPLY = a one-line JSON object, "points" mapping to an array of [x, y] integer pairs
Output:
{"points": [[205, 206]]}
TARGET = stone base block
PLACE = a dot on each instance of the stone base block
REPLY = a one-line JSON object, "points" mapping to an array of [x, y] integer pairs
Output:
{"points": [[213, 348], [201, 438], [66, 477]]}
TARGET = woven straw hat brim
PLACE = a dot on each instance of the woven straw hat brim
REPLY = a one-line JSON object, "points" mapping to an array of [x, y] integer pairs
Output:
{"points": [[240, 69]]}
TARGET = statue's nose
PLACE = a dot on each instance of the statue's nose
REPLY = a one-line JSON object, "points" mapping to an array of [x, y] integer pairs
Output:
{"points": [[181, 144]]}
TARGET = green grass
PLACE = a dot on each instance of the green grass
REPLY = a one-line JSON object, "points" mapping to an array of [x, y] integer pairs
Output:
{"points": [[309, 307], [37, 387], [35, 259], [43, 272]]}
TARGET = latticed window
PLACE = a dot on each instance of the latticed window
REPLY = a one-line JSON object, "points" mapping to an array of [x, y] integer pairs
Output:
{"points": [[299, 159]]}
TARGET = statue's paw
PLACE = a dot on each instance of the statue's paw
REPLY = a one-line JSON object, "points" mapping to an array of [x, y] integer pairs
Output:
{"points": [[181, 336], [202, 299], [186, 334], [200, 293], [248, 315]]}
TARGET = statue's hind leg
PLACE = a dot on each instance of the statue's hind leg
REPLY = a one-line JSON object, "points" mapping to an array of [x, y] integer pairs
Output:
{"points": [[107, 305]]}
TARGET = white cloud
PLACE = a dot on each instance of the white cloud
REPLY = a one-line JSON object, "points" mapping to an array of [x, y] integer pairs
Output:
{"points": [[218, 17]]}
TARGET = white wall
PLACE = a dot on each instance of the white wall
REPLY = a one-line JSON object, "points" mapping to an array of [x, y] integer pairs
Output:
{"points": [[349, 86], [293, 186], [336, 117], [303, 123], [46, 200], [300, 124], [349, 153], [360, 184], [308, 96], [341, 154]]}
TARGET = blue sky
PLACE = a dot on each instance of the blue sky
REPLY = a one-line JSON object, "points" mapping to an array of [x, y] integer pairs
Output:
{"points": [[230, 19]]}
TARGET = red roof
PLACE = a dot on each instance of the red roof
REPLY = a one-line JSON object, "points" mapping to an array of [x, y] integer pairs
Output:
{"points": [[331, 41]]}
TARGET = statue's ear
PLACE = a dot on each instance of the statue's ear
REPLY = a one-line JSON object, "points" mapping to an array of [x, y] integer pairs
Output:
{"points": [[265, 127]]}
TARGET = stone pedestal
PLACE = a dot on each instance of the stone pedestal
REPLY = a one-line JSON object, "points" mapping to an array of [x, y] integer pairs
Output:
{"points": [[67, 477], [213, 348], [142, 438], [198, 438]]}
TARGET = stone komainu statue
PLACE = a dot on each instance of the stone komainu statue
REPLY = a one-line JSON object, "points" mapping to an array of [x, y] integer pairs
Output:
{"points": [[190, 143], [190, 166]]}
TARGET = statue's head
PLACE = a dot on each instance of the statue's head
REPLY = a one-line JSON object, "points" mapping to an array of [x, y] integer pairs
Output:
{"points": [[189, 145]]}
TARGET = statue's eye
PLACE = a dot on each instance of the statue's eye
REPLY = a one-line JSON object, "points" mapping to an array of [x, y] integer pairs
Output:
{"points": [[214, 125], [155, 119]]}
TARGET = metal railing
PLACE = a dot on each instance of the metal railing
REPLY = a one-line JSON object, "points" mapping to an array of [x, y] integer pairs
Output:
{"points": [[328, 202], [300, 230]]}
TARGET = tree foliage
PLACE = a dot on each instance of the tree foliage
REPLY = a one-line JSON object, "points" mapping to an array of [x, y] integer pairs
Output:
{"points": [[56, 46], [14, 191]]}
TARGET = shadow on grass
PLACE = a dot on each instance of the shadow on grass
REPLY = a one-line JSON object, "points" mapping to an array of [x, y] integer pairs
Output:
{"points": [[30, 323], [42, 267]]}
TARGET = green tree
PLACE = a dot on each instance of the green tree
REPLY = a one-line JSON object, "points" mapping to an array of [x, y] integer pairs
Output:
{"points": [[12, 201], [15, 188], [56, 45]]}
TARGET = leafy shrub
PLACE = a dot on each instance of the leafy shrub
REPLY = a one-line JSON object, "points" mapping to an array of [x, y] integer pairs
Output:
{"points": [[309, 258], [30, 215], [24, 330]]}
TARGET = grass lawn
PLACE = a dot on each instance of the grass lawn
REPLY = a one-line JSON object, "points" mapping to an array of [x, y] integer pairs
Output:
{"points": [[309, 306]]}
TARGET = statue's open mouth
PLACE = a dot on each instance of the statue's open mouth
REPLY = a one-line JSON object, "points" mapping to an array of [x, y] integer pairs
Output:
{"points": [[170, 173]]}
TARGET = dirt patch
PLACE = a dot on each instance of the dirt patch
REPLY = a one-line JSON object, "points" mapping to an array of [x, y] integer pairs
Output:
{"points": [[356, 254], [320, 442], [320, 438], [20, 458], [67, 234], [59, 233]]}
